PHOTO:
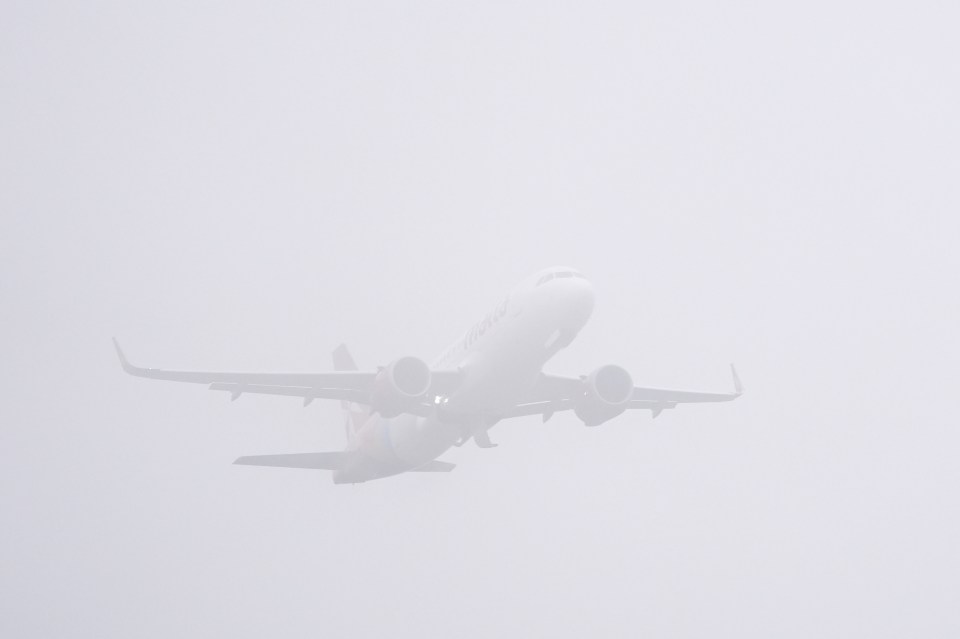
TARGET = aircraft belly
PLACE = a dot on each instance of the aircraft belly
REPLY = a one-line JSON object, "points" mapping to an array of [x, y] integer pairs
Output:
{"points": [[422, 439], [395, 445], [496, 380]]}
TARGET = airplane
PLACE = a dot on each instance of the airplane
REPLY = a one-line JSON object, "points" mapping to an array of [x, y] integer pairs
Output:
{"points": [[401, 417]]}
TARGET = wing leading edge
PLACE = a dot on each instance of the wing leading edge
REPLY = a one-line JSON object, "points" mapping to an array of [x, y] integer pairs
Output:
{"points": [[554, 393], [351, 385]]}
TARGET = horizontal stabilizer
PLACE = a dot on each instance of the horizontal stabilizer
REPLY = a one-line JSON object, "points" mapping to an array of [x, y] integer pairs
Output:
{"points": [[435, 466], [314, 461]]}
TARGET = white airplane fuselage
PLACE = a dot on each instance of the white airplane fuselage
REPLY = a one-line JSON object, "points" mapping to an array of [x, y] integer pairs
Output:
{"points": [[500, 359]]}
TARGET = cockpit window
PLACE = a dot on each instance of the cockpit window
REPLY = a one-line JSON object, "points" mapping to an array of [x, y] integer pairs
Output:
{"points": [[558, 274]]}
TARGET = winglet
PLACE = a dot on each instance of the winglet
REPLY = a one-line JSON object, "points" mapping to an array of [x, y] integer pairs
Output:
{"points": [[124, 362], [737, 384]]}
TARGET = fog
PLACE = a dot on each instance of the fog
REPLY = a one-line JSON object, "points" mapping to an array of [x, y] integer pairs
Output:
{"points": [[243, 186]]}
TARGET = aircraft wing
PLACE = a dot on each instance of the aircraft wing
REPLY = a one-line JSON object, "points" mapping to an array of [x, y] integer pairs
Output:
{"points": [[554, 393], [354, 386]]}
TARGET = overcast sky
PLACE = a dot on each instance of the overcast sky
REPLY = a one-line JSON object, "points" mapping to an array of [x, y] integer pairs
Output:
{"points": [[242, 186]]}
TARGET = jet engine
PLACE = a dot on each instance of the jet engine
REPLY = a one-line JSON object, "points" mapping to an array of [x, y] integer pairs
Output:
{"points": [[400, 386], [607, 391]]}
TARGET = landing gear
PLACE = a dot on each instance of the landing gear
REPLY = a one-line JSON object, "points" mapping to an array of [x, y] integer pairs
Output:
{"points": [[476, 429], [482, 438]]}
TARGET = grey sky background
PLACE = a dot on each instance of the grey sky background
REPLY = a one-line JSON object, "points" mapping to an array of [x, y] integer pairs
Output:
{"points": [[245, 185]]}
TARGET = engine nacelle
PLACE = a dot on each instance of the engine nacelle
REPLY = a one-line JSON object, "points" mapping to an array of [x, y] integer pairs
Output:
{"points": [[400, 386], [607, 391]]}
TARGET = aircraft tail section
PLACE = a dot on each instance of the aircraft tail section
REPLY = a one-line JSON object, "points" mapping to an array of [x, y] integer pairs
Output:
{"points": [[354, 414]]}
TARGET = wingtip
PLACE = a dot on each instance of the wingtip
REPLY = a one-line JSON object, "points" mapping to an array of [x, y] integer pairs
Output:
{"points": [[116, 347], [737, 384], [124, 362]]}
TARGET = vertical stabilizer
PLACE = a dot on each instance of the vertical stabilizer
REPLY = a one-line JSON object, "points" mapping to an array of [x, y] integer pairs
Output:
{"points": [[354, 414], [343, 360]]}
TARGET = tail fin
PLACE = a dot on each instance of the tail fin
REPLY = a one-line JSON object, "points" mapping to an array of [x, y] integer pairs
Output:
{"points": [[343, 360], [354, 414]]}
